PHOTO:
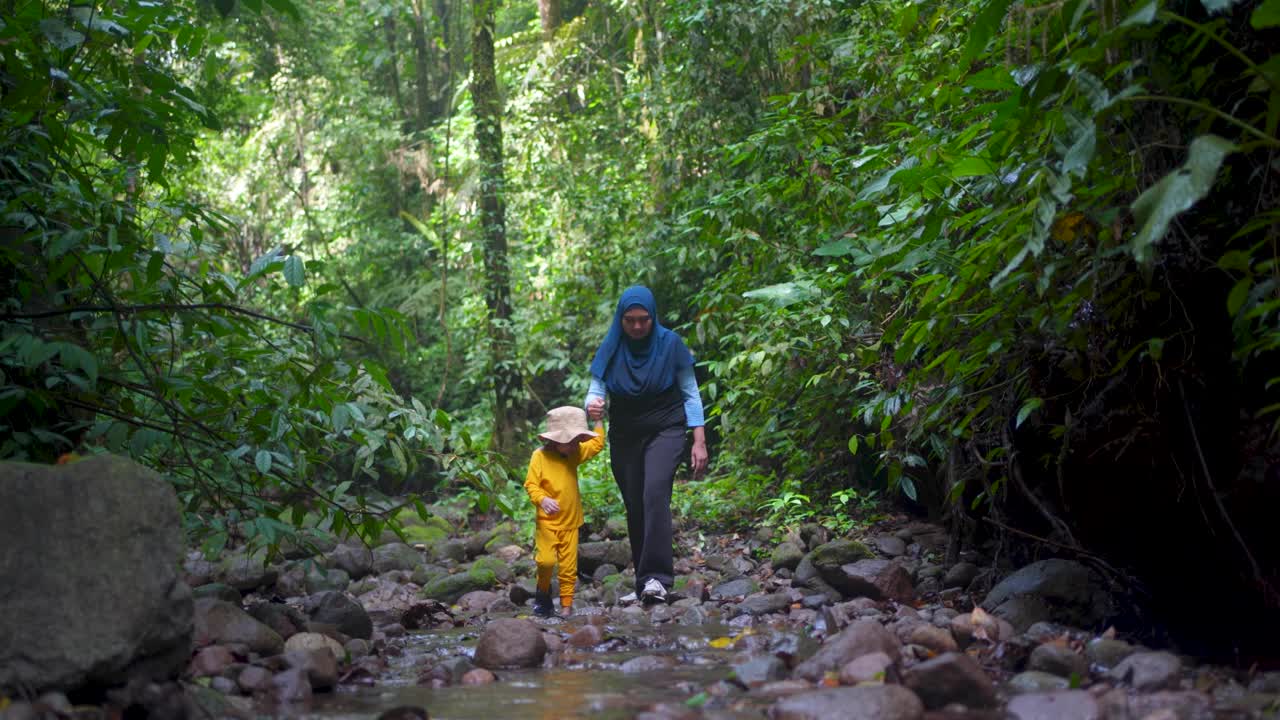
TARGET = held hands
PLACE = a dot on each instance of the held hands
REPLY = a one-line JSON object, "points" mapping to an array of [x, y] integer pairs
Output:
{"points": [[595, 409], [549, 506]]}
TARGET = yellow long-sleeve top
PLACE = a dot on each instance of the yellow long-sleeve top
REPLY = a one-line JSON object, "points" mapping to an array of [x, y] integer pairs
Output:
{"points": [[555, 476]]}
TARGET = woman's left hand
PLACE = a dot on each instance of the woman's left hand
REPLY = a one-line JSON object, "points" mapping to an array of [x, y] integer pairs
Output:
{"points": [[698, 456]]}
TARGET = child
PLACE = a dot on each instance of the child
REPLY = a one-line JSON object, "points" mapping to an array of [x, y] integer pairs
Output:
{"points": [[552, 483]]}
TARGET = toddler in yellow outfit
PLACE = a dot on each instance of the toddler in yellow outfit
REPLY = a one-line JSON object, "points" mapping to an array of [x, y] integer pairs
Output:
{"points": [[552, 484]]}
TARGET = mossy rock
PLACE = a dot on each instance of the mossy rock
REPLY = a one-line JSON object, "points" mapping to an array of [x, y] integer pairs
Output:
{"points": [[449, 588], [499, 540], [500, 569], [425, 573], [839, 552], [428, 535], [620, 580]]}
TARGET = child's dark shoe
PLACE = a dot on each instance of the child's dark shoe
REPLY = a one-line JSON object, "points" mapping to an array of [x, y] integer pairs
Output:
{"points": [[542, 604]]}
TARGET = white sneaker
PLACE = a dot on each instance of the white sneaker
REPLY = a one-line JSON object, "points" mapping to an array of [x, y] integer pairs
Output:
{"points": [[627, 599], [653, 591]]}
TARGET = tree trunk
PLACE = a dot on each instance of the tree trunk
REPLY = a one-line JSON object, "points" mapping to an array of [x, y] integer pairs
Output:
{"points": [[423, 61], [488, 118], [389, 28], [549, 13]]}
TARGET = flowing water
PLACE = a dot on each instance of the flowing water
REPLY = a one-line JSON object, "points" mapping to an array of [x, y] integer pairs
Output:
{"points": [[584, 682]]}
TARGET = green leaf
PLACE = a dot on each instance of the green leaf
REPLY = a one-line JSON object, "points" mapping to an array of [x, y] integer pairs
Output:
{"points": [[57, 32], [853, 444], [908, 486], [1027, 408], [984, 27], [1266, 15], [263, 461], [971, 167], [835, 248], [1145, 15], [784, 294], [77, 358], [1238, 295], [294, 271], [339, 417], [1177, 192]]}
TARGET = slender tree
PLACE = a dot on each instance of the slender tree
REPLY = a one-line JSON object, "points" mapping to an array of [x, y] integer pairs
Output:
{"points": [[422, 64], [488, 111], [549, 14]]}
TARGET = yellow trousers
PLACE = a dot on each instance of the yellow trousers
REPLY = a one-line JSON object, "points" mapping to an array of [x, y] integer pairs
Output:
{"points": [[550, 547]]}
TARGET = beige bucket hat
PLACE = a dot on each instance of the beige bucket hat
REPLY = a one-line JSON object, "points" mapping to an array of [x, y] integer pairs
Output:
{"points": [[566, 424]]}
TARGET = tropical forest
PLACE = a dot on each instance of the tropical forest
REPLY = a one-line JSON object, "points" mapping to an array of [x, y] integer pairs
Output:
{"points": [[967, 313]]}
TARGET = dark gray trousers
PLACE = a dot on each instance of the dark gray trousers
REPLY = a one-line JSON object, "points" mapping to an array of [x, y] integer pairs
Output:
{"points": [[644, 468]]}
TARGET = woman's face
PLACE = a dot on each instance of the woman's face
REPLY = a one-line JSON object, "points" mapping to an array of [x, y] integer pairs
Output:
{"points": [[637, 323]]}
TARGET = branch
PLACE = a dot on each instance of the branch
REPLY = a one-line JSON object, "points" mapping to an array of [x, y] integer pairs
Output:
{"points": [[167, 307]]}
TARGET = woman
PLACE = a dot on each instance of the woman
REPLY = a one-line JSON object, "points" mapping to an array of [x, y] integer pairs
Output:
{"points": [[647, 371]]}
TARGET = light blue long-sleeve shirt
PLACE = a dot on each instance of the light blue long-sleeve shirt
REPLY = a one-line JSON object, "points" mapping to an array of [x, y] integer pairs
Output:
{"points": [[688, 383]]}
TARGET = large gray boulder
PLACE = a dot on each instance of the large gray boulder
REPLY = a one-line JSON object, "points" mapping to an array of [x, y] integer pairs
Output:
{"points": [[510, 643], [860, 638], [1060, 590], [90, 556], [592, 555]]}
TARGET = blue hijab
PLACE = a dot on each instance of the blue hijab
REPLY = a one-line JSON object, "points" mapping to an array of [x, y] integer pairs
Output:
{"points": [[639, 367]]}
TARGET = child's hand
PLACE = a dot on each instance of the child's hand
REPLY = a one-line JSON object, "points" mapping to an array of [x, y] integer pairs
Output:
{"points": [[595, 408], [549, 506]]}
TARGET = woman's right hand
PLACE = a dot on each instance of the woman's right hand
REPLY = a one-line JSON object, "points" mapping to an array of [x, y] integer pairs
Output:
{"points": [[595, 408]]}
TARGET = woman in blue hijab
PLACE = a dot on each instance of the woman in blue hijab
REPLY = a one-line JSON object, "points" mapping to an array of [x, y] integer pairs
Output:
{"points": [[647, 372]]}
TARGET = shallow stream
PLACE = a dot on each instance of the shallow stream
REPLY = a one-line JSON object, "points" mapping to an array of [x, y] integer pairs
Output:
{"points": [[583, 683]]}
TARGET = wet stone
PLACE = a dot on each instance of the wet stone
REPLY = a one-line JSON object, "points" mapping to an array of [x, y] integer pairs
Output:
{"points": [[1035, 681], [951, 678], [254, 679], [765, 604], [872, 667], [1149, 670], [934, 638], [740, 587], [478, 676], [960, 575], [890, 546], [860, 638], [647, 663], [510, 643], [1107, 653], [865, 702], [786, 555], [757, 671], [1062, 705], [587, 637], [1058, 660]]}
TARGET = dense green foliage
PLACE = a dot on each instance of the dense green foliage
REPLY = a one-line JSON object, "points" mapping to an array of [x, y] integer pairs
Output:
{"points": [[963, 252]]}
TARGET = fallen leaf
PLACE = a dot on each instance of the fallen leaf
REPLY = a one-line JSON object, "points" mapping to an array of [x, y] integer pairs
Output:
{"points": [[721, 643]]}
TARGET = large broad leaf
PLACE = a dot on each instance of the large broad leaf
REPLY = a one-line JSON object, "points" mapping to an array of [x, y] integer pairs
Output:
{"points": [[1177, 192], [984, 27], [784, 294], [1266, 15], [57, 32], [294, 271]]}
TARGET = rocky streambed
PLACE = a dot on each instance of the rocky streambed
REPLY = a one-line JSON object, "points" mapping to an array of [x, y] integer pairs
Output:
{"points": [[801, 625]]}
